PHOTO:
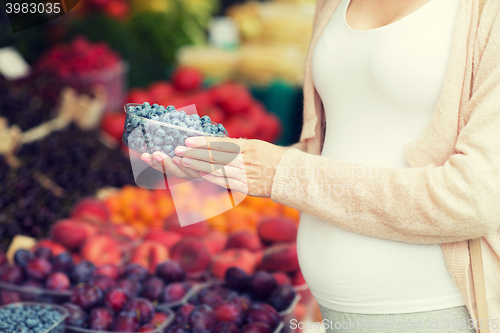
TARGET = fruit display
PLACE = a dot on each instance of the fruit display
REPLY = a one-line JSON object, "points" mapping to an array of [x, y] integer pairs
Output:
{"points": [[84, 66], [229, 103], [28, 207], [156, 128], [31, 101], [32, 318], [242, 303], [78, 162]]}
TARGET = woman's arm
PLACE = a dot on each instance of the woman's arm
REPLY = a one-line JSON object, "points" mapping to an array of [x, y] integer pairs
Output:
{"points": [[435, 204]]}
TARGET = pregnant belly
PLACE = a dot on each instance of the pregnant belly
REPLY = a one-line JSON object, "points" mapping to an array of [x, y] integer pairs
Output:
{"points": [[355, 271]]}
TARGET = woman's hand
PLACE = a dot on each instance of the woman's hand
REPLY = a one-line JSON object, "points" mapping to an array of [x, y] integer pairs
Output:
{"points": [[169, 166], [247, 166]]}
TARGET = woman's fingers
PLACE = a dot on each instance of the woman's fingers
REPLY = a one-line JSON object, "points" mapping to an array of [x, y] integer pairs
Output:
{"points": [[218, 170], [208, 155], [220, 144], [229, 183], [192, 173]]}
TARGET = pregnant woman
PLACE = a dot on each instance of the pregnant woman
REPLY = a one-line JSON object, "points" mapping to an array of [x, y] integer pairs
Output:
{"points": [[397, 167]]}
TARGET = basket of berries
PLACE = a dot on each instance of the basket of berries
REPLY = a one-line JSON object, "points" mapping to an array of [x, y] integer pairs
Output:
{"points": [[156, 128]]}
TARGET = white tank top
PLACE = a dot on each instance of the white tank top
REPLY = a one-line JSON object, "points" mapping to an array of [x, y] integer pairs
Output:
{"points": [[379, 89]]}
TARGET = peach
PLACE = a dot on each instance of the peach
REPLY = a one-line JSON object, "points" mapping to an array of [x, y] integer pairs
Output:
{"points": [[149, 254], [280, 257], [282, 278], [198, 229], [167, 238], [91, 210], [56, 249], [241, 258], [277, 229], [102, 250], [244, 240], [124, 232], [192, 255], [72, 233], [215, 242], [258, 257]]}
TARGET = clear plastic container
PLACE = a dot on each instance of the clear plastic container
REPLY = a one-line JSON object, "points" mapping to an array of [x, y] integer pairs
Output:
{"points": [[112, 79], [160, 329], [31, 294], [57, 327], [139, 133]]}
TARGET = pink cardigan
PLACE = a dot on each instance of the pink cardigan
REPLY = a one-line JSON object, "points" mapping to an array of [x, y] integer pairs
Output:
{"points": [[451, 192]]}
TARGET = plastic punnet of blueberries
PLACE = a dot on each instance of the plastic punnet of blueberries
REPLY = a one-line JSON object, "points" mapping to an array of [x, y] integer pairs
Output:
{"points": [[31, 318], [156, 128]]}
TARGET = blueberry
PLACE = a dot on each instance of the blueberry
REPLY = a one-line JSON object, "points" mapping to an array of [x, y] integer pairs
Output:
{"points": [[157, 148], [154, 106], [160, 112], [31, 322], [168, 140], [129, 127], [175, 115], [148, 137], [175, 122], [183, 125], [135, 121], [182, 140], [160, 133], [154, 116], [150, 144], [221, 128], [189, 121], [146, 105], [158, 140], [167, 148], [165, 118], [170, 108], [131, 109], [199, 128], [205, 119], [195, 116]]}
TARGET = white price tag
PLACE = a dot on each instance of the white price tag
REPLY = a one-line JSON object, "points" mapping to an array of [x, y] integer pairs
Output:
{"points": [[12, 64]]}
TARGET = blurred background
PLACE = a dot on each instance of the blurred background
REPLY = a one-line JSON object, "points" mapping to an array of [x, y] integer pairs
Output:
{"points": [[63, 85]]}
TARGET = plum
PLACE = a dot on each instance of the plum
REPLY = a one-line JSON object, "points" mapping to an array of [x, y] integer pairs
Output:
{"points": [[202, 319], [237, 279], [58, 281], [170, 271], [282, 297], [153, 288], [182, 314], [100, 319], [225, 327], [143, 307], [262, 284], [256, 327], [22, 256], [136, 272], [82, 272], [230, 311], [262, 312], [63, 263], [108, 270], [86, 296], [103, 282], [13, 274], [131, 287], [77, 317], [125, 322], [174, 292], [44, 252], [38, 268], [115, 299]]}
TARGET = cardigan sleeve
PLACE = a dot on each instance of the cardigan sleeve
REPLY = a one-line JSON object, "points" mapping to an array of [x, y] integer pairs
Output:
{"points": [[435, 204]]}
